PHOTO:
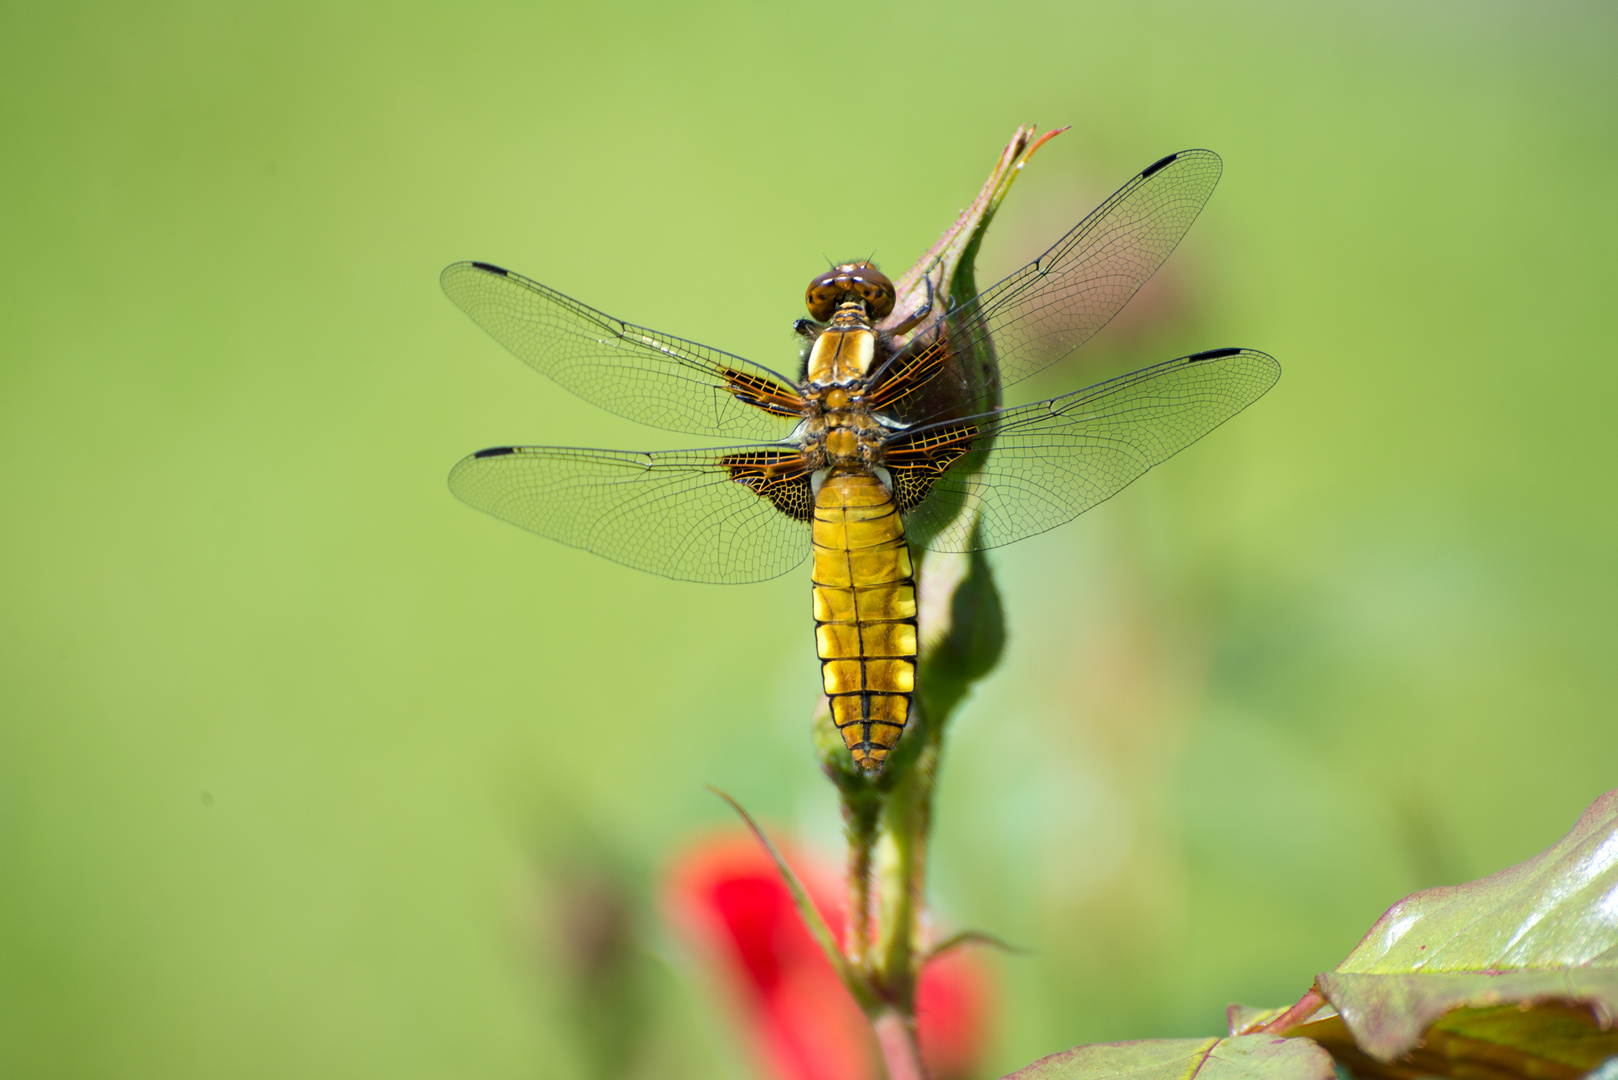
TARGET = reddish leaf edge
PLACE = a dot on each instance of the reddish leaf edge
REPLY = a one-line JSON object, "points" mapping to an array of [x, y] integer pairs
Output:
{"points": [[1236, 1057], [1331, 1008]]}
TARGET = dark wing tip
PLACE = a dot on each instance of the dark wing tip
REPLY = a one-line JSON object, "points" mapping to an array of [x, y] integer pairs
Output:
{"points": [[1212, 354], [495, 451], [491, 268], [1158, 165]]}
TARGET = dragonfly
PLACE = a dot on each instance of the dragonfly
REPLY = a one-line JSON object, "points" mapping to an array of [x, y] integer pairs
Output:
{"points": [[889, 435]]}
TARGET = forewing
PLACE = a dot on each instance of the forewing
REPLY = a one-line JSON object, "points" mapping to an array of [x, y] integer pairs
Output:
{"points": [[1056, 303], [694, 515], [641, 374], [1049, 462]]}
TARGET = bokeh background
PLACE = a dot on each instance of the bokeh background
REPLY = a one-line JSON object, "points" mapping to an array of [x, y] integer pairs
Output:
{"points": [[309, 770]]}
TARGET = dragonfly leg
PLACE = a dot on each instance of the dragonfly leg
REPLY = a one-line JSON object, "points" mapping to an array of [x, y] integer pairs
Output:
{"points": [[921, 313]]}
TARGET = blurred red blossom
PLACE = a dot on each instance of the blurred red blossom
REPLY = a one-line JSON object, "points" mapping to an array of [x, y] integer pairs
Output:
{"points": [[723, 894]]}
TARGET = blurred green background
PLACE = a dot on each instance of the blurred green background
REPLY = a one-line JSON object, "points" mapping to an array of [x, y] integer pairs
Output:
{"points": [[304, 762]]}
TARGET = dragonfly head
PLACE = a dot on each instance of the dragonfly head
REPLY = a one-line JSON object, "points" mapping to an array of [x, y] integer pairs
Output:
{"points": [[850, 281]]}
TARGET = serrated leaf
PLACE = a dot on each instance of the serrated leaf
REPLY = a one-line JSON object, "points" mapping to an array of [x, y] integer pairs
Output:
{"points": [[1514, 975], [1244, 1057], [1389, 1015], [1547, 1041], [1557, 910]]}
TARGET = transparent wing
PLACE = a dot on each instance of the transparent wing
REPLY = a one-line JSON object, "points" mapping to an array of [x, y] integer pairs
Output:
{"points": [[1049, 462], [1056, 303], [637, 373], [694, 515]]}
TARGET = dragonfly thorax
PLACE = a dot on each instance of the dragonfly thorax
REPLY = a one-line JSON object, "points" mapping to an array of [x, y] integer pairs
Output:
{"points": [[839, 428], [844, 352]]}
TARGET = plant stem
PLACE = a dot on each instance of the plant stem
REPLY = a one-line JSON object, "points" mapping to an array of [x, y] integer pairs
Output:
{"points": [[906, 829], [1297, 1014], [896, 1035], [860, 822]]}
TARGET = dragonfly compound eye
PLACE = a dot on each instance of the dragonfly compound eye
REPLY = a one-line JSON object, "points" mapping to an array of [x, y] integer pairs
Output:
{"points": [[874, 288], [859, 279]]}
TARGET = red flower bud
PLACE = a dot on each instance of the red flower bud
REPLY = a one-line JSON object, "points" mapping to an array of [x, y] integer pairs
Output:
{"points": [[723, 895]]}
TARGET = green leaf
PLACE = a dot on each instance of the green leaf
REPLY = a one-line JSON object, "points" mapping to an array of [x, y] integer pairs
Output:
{"points": [[963, 628], [1243, 1057], [1515, 974], [1247, 1019], [1557, 910], [1550, 1040], [972, 937]]}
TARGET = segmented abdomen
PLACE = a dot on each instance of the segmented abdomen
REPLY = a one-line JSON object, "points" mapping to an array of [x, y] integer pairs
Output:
{"points": [[865, 613]]}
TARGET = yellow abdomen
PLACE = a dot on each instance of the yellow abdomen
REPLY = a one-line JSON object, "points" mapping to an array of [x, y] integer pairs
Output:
{"points": [[865, 613]]}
